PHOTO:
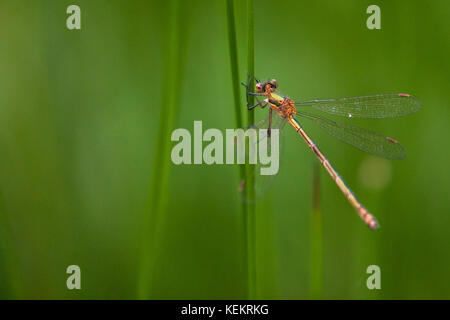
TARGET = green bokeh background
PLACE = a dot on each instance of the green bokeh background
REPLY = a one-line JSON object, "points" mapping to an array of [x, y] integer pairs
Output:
{"points": [[79, 113]]}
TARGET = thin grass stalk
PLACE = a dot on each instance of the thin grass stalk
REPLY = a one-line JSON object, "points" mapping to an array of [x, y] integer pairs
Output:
{"points": [[232, 44], [234, 62], [250, 186], [316, 272], [159, 186]]}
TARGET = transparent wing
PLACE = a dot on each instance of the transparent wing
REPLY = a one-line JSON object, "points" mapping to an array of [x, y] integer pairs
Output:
{"points": [[365, 140], [277, 123], [375, 106], [263, 182]]}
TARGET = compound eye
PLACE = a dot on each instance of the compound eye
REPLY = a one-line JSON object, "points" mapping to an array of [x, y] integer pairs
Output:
{"points": [[258, 87], [274, 83]]}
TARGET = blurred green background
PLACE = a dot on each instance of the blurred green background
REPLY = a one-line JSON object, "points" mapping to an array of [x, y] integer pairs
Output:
{"points": [[79, 116]]}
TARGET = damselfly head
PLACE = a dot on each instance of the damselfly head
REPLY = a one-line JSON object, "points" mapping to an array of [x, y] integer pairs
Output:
{"points": [[266, 85]]}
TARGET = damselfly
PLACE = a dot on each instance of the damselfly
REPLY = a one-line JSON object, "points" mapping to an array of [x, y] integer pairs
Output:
{"points": [[372, 106]]}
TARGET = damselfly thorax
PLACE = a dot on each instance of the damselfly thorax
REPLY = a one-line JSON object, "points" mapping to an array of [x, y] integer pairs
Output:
{"points": [[283, 105]]}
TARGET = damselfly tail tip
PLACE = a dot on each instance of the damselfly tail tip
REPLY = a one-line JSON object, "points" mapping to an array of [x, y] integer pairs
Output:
{"points": [[373, 224], [368, 218]]}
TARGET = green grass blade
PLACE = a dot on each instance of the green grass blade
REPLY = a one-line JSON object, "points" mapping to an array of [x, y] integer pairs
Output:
{"points": [[250, 186], [153, 223], [234, 62], [232, 43]]}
